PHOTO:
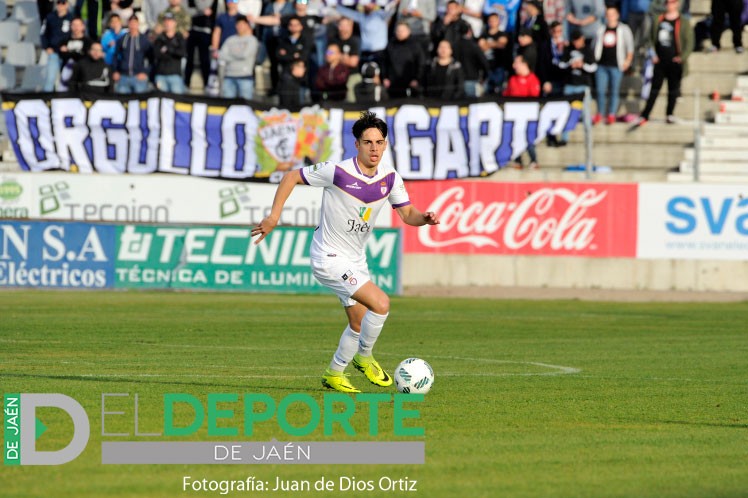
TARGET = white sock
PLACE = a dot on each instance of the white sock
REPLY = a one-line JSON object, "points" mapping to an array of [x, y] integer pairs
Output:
{"points": [[346, 349], [371, 326]]}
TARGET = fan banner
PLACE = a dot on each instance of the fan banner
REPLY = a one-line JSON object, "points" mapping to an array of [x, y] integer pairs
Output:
{"points": [[549, 219], [242, 140]]}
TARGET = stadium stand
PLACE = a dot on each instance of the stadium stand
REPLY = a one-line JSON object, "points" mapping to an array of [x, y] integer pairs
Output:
{"points": [[25, 12], [10, 32]]}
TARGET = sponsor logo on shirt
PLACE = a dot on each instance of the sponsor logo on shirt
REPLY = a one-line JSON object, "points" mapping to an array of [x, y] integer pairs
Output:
{"points": [[353, 185]]}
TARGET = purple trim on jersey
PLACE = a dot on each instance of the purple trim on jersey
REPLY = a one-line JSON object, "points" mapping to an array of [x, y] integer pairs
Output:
{"points": [[366, 192], [303, 178], [395, 206]]}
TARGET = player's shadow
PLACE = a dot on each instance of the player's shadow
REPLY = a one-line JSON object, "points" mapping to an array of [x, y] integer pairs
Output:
{"points": [[729, 425]]}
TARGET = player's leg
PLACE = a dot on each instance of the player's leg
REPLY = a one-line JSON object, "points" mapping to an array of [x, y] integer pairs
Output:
{"points": [[343, 278], [377, 304]]}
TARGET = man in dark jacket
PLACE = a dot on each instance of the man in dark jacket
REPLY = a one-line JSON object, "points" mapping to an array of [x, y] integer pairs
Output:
{"points": [[91, 73], [54, 32], [169, 49], [131, 60], [405, 62]]}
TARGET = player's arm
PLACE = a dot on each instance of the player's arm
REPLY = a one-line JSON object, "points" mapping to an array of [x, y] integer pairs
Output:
{"points": [[286, 186], [412, 216]]}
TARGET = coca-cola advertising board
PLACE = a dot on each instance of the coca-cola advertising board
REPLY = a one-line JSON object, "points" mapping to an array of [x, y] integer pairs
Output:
{"points": [[549, 219]]}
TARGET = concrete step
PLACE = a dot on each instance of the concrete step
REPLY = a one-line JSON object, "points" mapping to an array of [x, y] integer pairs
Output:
{"points": [[717, 154], [7, 166], [703, 178], [731, 118], [742, 81], [707, 83], [729, 106], [717, 167], [700, 7], [655, 132], [615, 155], [724, 61], [734, 136], [550, 173]]}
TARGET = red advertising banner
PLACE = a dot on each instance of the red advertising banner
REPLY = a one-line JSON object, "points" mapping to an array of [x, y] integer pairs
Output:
{"points": [[550, 219]]}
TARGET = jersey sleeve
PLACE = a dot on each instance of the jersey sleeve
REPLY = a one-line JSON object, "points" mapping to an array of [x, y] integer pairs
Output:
{"points": [[398, 195], [319, 175]]}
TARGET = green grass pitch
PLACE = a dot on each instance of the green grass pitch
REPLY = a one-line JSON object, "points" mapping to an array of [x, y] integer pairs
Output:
{"points": [[531, 398]]}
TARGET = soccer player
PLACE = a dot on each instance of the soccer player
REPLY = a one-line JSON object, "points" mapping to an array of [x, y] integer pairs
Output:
{"points": [[354, 192]]}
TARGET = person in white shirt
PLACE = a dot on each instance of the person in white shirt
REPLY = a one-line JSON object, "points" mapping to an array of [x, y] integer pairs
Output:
{"points": [[355, 190]]}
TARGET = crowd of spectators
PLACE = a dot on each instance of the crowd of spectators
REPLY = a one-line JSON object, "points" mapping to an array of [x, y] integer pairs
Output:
{"points": [[320, 50]]}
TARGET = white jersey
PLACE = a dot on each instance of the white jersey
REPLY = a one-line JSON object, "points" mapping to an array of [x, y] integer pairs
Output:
{"points": [[351, 202]]}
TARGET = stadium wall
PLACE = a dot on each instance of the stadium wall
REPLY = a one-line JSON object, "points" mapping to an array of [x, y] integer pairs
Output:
{"points": [[556, 235]]}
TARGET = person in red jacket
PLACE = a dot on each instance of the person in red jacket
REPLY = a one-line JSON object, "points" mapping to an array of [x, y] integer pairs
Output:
{"points": [[331, 82], [524, 83]]}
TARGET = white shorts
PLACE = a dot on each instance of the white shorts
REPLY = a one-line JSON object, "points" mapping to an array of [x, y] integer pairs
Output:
{"points": [[341, 276]]}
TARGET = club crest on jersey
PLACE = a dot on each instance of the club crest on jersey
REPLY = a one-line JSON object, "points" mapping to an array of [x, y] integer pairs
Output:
{"points": [[383, 187], [364, 213]]}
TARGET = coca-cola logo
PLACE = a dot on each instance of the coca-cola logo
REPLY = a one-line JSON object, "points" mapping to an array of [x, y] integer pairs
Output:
{"points": [[554, 218]]}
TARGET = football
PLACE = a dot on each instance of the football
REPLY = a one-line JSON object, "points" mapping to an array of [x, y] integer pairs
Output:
{"points": [[414, 375]]}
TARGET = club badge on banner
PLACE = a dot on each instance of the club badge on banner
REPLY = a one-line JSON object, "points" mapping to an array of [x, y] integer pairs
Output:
{"points": [[563, 219]]}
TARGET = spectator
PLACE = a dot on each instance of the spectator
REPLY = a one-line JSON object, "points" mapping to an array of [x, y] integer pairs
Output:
{"points": [[90, 12], [54, 33], [169, 49], [309, 23], [475, 67], [524, 83], [444, 76], [554, 11], [507, 10], [733, 8], [527, 48], [578, 64], [672, 39], [123, 8], [373, 23], [635, 14], [614, 53], [238, 55], [92, 73], [74, 48], [181, 16], [497, 46], [225, 26], [532, 18], [331, 80], [370, 90], [294, 46], [419, 15], [350, 47], [111, 36], [203, 21], [151, 10], [404, 64], [472, 13], [45, 8], [555, 48], [271, 36], [585, 15], [250, 8], [131, 60], [450, 26], [291, 88]]}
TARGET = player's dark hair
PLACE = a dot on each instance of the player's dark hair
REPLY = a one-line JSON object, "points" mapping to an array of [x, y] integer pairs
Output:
{"points": [[368, 120]]}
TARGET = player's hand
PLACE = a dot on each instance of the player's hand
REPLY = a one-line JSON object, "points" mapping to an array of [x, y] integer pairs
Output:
{"points": [[264, 228], [431, 218]]}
